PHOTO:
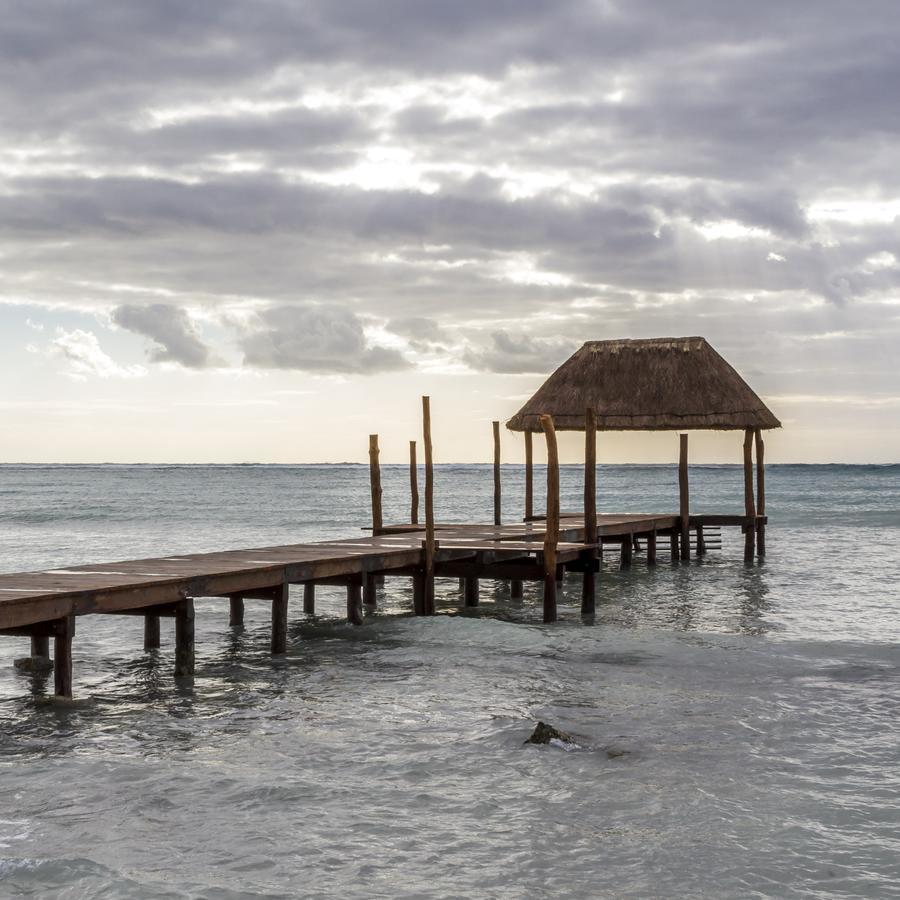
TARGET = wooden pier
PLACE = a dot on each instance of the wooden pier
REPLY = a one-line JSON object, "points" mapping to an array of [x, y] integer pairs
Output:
{"points": [[45, 605], [660, 384]]}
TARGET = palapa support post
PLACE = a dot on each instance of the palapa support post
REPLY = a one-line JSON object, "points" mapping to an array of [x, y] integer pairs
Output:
{"points": [[516, 589], [684, 502], [498, 512], [280, 619], [151, 632], [760, 492], [529, 476], [184, 637], [63, 632], [551, 530], [413, 485], [375, 483], [749, 506], [354, 601], [236, 610], [589, 583], [472, 592], [309, 598], [428, 598], [651, 548]]}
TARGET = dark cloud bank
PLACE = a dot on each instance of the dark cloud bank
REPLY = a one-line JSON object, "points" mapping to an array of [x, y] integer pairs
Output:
{"points": [[494, 182]]}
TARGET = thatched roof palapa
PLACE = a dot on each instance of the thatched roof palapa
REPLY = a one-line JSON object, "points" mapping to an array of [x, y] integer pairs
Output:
{"points": [[660, 384]]}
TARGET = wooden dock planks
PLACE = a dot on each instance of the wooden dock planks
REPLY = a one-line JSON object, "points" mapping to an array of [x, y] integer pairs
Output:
{"points": [[44, 604]]}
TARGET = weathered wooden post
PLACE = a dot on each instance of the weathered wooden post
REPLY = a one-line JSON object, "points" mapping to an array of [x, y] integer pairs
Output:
{"points": [[63, 632], [529, 477], [428, 598], [472, 592], [673, 545], [684, 504], [370, 589], [749, 507], [151, 632], [413, 485], [516, 589], [760, 493], [651, 548], [236, 610], [40, 646], [354, 601], [626, 552], [498, 512], [589, 584], [280, 618], [184, 637], [309, 598], [375, 483], [551, 532]]}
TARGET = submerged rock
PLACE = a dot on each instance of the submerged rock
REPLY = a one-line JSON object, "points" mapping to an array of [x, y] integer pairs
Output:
{"points": [[34, 664], [547, 734]]}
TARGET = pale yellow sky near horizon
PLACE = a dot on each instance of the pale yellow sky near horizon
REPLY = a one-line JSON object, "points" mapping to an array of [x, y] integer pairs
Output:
{"points": [[183, 417]]}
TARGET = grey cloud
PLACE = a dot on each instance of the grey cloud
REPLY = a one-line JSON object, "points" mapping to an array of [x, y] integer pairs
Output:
{"points": [[419, 328], [173, 335], [517, 353], [315, 339]]}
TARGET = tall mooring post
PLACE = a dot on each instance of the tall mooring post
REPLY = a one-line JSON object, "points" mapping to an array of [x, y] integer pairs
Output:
{"points": [[428, 588], [551, 532]]}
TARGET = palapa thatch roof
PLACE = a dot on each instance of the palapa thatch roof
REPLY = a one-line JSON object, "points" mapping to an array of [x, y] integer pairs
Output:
{"points": [[661, 384]]}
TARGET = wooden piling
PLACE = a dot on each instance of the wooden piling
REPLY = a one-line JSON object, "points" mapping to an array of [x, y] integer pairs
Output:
{"points": [[498, 512], [375, 484], [626, 552], [684, 503], [184, 637], [354, 601], [309, 598], [236, 611], [760, 492], [472, 593], [529, 476], [428, 599], [749, 506], [701, 541], [151, 632], [64, 631], [551, 533], [413, 485], [370, 590], [280, 619], [418, 582], [589, 583], [40, 646], [673, 545], [516, 589], [651, 548]]}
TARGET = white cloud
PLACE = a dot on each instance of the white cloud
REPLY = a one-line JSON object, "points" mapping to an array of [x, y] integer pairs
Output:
{"points": [[85, 358]]}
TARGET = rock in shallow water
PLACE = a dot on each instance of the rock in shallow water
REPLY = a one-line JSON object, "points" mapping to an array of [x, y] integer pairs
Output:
{"points": [[546, 734]]}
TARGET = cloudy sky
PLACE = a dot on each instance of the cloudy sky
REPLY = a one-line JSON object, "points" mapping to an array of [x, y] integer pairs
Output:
{"points": [[260, 229]]}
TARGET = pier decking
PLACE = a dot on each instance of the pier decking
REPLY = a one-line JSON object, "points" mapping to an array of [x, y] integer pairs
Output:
{"points": [[46, 604]]}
